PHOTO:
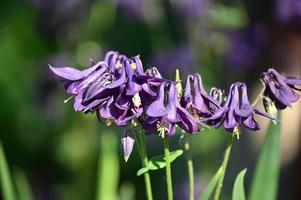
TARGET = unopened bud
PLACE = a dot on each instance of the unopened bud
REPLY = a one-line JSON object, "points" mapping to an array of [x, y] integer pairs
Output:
{"points": [[179, 84], [127, 144], [270, 108]]}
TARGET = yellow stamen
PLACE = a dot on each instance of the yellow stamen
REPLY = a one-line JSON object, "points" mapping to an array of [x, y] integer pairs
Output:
{"points": [[236, 132]]}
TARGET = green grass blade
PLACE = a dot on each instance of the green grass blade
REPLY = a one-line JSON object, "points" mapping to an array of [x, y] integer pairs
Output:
{"points": [[265, 181], [208, 191], [6, 180], [22, 185], [238, 188], [108, 167]]}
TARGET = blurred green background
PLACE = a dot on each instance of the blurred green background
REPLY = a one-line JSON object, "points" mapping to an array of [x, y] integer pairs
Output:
{"points": [[63, 154]]}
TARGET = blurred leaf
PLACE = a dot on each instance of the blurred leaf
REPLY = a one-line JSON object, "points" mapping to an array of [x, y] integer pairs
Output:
{"points": [[158, 162], [265, 180], [212, 184], [238, 188], [6, 180], [23, 187], [227, 17], [127, 191], [108, 167]]}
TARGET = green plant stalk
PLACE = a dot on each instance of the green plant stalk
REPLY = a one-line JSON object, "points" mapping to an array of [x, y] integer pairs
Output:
{"points": [[108, 162], [144, 159], [168, 168], [189, 167], [224, 167], [6, 179]]}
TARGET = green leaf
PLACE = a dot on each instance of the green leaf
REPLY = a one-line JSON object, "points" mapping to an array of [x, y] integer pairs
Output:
{"points": [[142, 171], [265, 181], [158, 162], [5, 177], [227, 17], [22, 185], [238, 188], [212, 184]]}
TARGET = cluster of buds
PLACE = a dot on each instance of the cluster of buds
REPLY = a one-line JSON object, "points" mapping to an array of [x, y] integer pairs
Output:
{"points": [[119, 91]]}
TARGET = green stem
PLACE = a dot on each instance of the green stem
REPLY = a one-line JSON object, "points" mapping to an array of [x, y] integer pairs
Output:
{"points": [[168, 169], [189, 167], [223, 167], [144, 159]]}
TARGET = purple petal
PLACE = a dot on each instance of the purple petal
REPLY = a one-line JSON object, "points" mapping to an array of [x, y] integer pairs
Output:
{"points": [[67, 73], [157, 108], [171, 105], [251, 123]]}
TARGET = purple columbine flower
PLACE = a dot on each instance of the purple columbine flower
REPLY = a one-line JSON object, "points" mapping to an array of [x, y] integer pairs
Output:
{"points": [[196, 100], [127, 144], [280, 89], [236, 111], [114, 88], [163, 116]]}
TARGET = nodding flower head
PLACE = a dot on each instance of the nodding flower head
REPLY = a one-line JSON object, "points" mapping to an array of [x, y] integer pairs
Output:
{"points": [[280, 89], [166, 112], [196, 100], [236, 111], [117, 89]]}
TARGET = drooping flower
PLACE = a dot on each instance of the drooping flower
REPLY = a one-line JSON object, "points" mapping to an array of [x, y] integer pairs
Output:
{"points": [[127, 144], [236, 111], [115, 88], [196, 100], [281, 90], [163, 116]]}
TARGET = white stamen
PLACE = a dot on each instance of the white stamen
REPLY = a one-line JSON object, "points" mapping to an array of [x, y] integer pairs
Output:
{"points": [[136, 100], [68, 99], [133, 65], [118, 64]]}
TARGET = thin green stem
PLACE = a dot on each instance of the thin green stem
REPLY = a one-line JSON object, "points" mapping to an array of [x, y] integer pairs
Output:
{"points": [[144, 159], [189, 167], [167, 168], [223, 167], [259, 96]]}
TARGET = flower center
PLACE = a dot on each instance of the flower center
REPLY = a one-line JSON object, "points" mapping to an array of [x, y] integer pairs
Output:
{"points": [[194, 113], [118, 64], [162, 127], [236, 132]]}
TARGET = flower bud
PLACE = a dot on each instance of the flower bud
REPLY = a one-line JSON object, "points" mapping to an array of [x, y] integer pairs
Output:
{"points": [[127, 144], [179, 84], [270, 107]]}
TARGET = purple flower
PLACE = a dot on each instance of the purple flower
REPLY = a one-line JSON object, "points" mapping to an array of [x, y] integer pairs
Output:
{"points": [[169, 60], [163, 116], [114, 88], [191, 8], [245, 47], [237, 111], [280, 89], [288, 10], [196, 100], [127, 144]]}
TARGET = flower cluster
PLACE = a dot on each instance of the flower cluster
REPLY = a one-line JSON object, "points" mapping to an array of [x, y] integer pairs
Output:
{"points": [[119, 91]]}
